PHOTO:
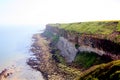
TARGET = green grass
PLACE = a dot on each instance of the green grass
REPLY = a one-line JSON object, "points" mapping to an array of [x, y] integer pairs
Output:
{"points": [[55, 39], [55, 52], [108, 71], [118, 26], [69, 70], [87, 59], [103, 27], [58, 58]]}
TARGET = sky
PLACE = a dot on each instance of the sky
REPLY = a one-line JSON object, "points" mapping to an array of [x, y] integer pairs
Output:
{"points": [[36, 12]]}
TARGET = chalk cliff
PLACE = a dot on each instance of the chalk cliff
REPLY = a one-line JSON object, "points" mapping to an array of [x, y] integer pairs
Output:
{"points": [[94, 40], [101, 44]]}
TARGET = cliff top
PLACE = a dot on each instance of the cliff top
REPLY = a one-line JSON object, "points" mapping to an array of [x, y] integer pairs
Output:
{"points": [[109, 30], [96, 27]]}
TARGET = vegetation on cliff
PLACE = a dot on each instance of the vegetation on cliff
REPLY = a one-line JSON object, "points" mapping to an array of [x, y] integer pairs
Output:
{"points": [[105, 27], [101, 29], [88, 65], [108, 71], [87, 59]]}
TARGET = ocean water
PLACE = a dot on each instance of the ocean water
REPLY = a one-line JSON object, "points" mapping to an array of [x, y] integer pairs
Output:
{"points": [[15, 42]]}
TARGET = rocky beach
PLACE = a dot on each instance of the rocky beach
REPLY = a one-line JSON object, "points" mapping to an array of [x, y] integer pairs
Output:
{"points": [[44, 62]]}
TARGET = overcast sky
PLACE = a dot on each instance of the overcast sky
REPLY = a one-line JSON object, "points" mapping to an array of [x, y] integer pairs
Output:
{"points": [[35, 12]]}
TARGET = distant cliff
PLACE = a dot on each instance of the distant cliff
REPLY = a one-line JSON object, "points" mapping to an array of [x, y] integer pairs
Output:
{"points": [[101, 42]]}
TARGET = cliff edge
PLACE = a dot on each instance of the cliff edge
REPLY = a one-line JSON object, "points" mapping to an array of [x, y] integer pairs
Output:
{"points": [[102, 38], [86, 44]]}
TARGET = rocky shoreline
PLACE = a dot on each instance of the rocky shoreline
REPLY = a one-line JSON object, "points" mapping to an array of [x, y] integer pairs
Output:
{"points": [[43, 61], [5, 73]]}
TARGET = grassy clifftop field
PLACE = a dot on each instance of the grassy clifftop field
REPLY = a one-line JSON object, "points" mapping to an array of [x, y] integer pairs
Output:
{"points": [[109, 30], [105, 27]]}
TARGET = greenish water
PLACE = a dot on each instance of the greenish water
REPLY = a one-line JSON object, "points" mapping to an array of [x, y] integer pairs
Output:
{"points": [[15, 42]]}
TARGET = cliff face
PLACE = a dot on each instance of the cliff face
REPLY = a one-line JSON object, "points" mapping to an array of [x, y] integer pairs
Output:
{"points": [[68, 50], [86, 42], [66, 47], [87, 50]]}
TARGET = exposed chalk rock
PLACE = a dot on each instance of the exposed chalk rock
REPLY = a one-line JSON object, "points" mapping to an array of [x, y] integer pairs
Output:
{"points": [[90, 49], [67, 49]]}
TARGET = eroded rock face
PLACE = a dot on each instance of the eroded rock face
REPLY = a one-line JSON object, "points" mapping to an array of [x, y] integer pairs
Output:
{"points": [[95, 43], [90, 49], [67, 49]]}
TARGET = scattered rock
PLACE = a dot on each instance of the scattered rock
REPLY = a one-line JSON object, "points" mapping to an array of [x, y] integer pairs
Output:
{"points": [[43, 61], [4, 74]]}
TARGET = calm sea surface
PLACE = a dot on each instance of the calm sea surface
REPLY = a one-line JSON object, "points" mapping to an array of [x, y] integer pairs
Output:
{"points": [[15, 42]]}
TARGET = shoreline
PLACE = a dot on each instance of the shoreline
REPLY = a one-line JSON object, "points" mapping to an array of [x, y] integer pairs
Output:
{"points": [[44, 62], [6, 73], [19, 71]]}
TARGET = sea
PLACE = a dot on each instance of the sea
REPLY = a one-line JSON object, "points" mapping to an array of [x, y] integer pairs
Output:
{"points": [[15, 44]]}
